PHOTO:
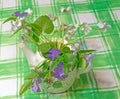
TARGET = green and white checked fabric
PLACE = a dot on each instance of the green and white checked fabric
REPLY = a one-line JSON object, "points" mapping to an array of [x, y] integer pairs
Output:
{"points": [[103, 82]]}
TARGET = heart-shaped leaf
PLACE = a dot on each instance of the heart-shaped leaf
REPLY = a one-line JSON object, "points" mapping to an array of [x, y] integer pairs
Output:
{"points": [[45, 24], [35, 28]]}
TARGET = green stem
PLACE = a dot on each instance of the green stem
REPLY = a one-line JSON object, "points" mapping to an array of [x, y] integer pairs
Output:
{"points": [[45, 37], [31, 39]]}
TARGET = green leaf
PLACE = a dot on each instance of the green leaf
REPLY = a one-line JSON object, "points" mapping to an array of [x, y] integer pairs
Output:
{"points": [[45, 24], [83, 63], [16, 31], [56, 61], [53, 45], [45, 47], [47, 75], [54, 64], [71, 57], [36, 39], [29, 76], [45, 65], [25, 86], [65, 50], [35, 28], [11, 18], [65, 58], [86, 51], [75, 63], [34, 74], [66, 68], [57, 84]]}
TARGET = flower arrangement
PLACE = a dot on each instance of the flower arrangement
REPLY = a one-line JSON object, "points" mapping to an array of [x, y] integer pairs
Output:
{"points": [[58, 58]]}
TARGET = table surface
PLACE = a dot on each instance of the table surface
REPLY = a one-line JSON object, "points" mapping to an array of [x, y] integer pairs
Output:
{"points": [[102, 82]]}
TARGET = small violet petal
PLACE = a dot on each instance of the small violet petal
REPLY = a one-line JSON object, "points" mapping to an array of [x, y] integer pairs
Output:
{"points": [[59, 71], [53, 53], [17, 13], [39, 80], [23, 14], [88, 58], [35, 87]]}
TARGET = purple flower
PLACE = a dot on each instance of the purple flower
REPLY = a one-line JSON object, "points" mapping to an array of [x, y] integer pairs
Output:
{"points": [[39, 80], [35, 87], [20, 15], [53, 53], [59, 71], [23, 14], [88, 58], [17, 13]]}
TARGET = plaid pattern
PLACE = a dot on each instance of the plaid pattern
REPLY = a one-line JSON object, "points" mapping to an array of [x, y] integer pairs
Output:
{"points": [[103, 82]]}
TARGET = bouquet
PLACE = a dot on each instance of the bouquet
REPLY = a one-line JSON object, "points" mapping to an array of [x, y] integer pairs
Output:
{"points": [[59, 57]]}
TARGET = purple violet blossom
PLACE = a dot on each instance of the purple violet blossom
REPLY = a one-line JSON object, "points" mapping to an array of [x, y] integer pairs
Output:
{"points": [[20, 15], [88, 58], [35, 87], [59, 71], [39, 80], [17, 13], [53, 53]]}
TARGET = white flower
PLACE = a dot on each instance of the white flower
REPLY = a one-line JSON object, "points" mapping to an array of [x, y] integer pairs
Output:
{"points": [[75, 47], [68, 9], [52, 17], [103, 26], [67, 36], [70, 31], [72, 28], [29, 11], [62, 9], [15, 24], [86, 28]]}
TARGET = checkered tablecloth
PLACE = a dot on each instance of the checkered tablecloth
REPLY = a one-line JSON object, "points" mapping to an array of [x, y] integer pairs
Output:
{"points": [[102, 82]]}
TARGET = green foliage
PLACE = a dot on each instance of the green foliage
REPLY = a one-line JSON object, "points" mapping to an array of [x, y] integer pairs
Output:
{"points": [[44, 65], [86, 51], [10, 18], [44, 47], [45, 24], [65, 49], [16, 31], [35, 28], [53, 45], [83, 63], [25, 86], [54, 64], [57, 84], [47, 75], [65, 58], [66, 68], [33, 75], [38, 33], [28, 76], [35, 38]]}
